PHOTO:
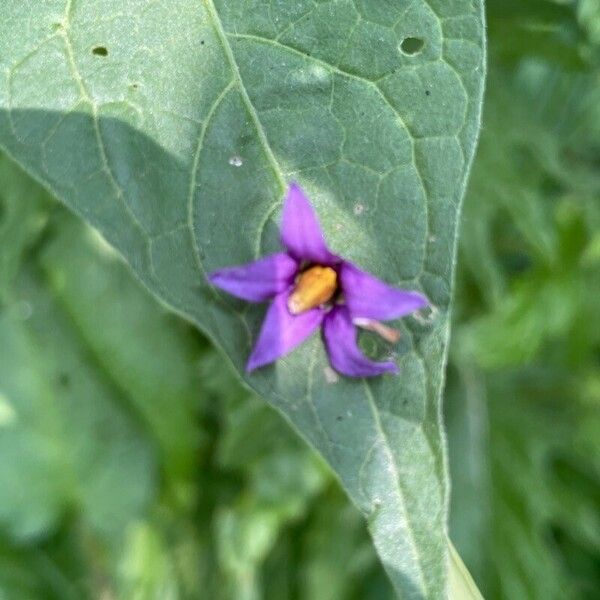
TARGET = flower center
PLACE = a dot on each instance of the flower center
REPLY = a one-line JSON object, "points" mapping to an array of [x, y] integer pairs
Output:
{"points": [[315, 286]]}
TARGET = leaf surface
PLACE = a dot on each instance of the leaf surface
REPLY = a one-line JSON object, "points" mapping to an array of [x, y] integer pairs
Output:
{"points": [[173, 128]]}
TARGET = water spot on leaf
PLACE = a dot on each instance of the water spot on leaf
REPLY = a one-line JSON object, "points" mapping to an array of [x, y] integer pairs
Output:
{"points": [[317, 72], [100, 51], [359, 209], [236, 161], [411, 46]]}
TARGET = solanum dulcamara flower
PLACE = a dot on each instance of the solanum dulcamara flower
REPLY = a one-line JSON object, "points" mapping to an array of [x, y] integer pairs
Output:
{"points": [[310, 287]]}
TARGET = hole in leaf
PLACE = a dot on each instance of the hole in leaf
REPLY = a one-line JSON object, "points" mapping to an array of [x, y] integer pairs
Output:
{"points": [[100, 51], [412, 46]]}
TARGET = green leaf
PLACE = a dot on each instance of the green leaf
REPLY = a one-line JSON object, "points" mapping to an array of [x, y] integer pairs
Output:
{"points": [[22, 216], [62, 429], [71, 308], [157, 373], [174, 129], [460, 583]]}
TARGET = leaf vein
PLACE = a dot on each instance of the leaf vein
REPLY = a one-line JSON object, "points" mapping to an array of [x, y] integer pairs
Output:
{"points": [[94, 114], [212, 11], [398, 486]]}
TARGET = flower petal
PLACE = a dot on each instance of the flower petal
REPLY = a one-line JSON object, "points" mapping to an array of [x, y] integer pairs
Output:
{"points": [[281, 332], [300, 230], [344, 354], [370, 298], [259, 280]]}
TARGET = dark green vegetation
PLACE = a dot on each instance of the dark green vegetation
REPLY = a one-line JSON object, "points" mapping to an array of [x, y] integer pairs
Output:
{"points": [[134, 466], [523, 396]]}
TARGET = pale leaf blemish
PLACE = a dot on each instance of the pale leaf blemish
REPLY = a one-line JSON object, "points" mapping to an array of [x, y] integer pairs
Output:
{"points": [[330, 375], [8, 415], [427, 315]]}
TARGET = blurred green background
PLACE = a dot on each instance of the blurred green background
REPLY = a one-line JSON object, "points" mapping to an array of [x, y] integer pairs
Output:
{"points": [[134, 467]]}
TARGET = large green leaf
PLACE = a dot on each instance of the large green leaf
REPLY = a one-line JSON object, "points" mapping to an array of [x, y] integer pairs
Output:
{"points": [[173, 129]]}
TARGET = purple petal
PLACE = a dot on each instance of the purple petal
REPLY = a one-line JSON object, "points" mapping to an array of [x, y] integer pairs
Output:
{"points": [[344, 354], [370, 298], [259, 280], [281, 332], [300, 230]]}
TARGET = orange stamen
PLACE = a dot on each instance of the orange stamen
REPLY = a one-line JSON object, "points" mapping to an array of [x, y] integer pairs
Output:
{"points": [[314, 287]]}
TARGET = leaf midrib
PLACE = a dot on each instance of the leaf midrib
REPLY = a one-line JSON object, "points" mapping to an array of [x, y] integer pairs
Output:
{"points": [[218, 27], [221, 34], [396, 479]]}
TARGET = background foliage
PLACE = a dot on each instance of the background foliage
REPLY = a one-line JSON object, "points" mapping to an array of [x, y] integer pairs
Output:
{"points": [[215, 492]]}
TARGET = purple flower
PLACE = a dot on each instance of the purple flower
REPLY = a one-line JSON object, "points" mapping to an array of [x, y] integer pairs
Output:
{"points": [[311, 287]]}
